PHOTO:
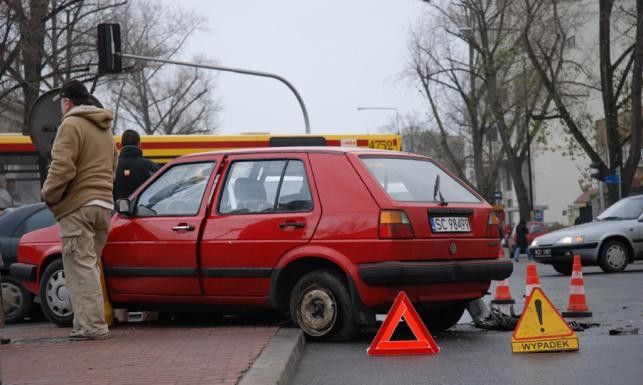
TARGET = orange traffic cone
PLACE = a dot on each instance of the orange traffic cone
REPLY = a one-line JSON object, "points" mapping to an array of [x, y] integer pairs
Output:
{"points": [[577, 306], [532, 279], [503, 296]]}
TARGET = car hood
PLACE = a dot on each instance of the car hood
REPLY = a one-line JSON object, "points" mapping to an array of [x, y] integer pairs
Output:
{"points": [[49, 234], [591, 232]]}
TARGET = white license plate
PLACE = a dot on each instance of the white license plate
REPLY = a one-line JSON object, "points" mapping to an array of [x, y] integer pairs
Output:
{"points": [[543, 252], [450, 225]]}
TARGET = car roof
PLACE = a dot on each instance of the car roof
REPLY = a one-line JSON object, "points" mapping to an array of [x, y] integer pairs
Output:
{"points": [[9, 220], [307, 149]]}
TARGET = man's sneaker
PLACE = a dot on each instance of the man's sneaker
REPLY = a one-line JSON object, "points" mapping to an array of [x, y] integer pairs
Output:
{"points": [[82, 337]]}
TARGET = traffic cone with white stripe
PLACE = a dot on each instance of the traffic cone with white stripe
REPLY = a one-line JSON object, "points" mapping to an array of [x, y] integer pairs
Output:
{"points": [[532, 279], [503, 296], [577, 306]]}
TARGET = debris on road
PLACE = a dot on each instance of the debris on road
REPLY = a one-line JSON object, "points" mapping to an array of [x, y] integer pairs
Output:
{"points": [[498, 320], [624, 330]]}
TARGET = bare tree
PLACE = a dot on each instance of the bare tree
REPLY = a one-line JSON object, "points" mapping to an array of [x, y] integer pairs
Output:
{"points": [[475, 77], [37, 52], [615, 74], [160, 98]]}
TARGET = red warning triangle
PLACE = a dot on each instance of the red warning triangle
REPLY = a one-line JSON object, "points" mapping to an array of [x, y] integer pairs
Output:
{"points": [[423, 344]]}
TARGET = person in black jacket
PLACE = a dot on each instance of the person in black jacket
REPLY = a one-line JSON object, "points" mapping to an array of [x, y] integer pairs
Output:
{"points": [[133, 169], [521, 240]]}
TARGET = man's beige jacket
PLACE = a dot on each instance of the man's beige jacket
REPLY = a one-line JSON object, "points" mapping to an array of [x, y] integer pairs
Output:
{"points": [[84, 158]]}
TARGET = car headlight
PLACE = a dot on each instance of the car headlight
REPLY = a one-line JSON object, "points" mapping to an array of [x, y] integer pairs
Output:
{"points": [[570, 240], [534, 243]]}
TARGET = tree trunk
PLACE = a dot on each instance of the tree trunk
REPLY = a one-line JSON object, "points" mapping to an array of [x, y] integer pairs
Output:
{"points": [[635, 99], [32, 39]]}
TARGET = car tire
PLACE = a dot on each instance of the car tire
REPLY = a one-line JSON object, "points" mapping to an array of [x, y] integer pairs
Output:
{"points": [[54, 298], [563, 268], [321, 306], [439, 318], [614, 256], [17, 301]]}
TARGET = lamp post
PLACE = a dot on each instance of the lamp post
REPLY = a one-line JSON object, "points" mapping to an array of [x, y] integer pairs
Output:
{"points": [[397, 113]]}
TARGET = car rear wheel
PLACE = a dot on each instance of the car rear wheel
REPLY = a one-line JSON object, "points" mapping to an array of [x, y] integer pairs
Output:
{"points": [[17, 301], [438, 318], [563, 268], [54, 297], [320, 305], [614, 257]]}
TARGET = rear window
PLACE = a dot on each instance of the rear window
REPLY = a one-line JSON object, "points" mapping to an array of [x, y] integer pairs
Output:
{"points": [[414, 180]]}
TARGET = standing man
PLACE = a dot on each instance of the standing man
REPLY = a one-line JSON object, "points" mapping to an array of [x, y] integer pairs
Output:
{"points": [[78, 190], [132, 169], [521, 240]]}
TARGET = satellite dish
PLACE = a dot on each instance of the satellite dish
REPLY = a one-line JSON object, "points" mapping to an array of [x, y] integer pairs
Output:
{"points": [[44, 119]]}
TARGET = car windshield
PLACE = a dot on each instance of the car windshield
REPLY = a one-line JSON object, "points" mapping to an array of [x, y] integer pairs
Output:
{"points": [[623, 209], [415, 180]]}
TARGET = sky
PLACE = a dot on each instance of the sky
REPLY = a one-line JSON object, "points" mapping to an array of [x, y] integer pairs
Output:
{"points": [[338, 54]]}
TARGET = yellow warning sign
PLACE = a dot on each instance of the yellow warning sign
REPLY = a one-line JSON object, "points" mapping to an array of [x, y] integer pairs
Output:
{"points": [[541, 328]]}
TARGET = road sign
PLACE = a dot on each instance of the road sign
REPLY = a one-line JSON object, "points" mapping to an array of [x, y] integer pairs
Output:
{"points": [[423, 344], [611, 179], [541, 328]]}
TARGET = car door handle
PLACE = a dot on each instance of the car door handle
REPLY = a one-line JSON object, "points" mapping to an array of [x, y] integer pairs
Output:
{"points": [[297, 225], [183, 227]]}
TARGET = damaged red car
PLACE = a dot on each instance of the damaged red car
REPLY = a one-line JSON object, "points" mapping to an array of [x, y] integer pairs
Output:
{"points": [[328, 235]]}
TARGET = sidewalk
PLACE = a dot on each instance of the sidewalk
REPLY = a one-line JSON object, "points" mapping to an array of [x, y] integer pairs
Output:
{"points": [[141, 353]]}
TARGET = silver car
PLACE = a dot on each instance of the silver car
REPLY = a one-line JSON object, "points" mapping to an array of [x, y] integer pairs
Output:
{"points": [[611, 241]]}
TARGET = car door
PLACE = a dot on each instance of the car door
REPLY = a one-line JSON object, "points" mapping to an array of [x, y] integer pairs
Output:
{"points": [[265, 207], [154, 251]]}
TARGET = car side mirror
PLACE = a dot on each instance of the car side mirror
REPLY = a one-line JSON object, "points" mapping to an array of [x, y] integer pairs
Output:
{"points": [[124, 207]]}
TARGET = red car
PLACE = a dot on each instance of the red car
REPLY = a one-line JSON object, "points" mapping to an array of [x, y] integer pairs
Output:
{"points": [[330, 235], [535, 229]]}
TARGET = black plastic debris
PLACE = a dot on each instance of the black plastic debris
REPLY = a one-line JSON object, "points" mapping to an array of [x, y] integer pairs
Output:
{"points": [[498, 320], [624, 330]]}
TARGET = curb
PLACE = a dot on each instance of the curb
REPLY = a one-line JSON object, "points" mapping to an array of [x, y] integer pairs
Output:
{"points": [[278, 361]]}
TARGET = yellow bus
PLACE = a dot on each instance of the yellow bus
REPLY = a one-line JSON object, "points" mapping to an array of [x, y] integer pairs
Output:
{"points": [[26, 169]]}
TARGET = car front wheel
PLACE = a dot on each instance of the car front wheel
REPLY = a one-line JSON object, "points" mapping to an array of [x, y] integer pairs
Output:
{"points": [[614, 256], [321, 306], [17, 301], [54, 297]]}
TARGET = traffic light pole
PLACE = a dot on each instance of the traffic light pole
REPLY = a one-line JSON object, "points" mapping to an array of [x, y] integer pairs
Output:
{"points": [[229, 69]]}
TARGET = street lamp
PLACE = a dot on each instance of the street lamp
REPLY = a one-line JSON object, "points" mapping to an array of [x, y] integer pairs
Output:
{"points": [[397, 113]]}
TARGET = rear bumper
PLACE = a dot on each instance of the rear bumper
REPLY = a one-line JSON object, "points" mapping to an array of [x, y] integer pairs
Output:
{"points": [[24, 271], [404, 273]]}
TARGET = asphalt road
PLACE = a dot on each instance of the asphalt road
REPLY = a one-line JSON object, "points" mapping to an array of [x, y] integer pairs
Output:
{"points": [[472, 356]]}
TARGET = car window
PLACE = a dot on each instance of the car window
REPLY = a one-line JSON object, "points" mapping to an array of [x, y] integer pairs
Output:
{"points": [[179, 191], [414, 180], [39, 220], [623, 209], [535, 228], [266, 186]]}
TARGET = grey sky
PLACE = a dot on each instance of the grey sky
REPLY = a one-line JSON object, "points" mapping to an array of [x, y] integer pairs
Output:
{"points": [[339, 54]]}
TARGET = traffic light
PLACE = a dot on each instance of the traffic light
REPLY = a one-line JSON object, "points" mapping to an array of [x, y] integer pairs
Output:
{"points": [[109, 48], [600, 170]]}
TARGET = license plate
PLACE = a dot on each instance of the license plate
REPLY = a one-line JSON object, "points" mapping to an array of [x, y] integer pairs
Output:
{"points": [[543, 252], [450, 225]]}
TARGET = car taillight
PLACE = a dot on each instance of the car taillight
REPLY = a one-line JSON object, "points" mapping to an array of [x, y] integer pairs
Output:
{"points": [[394, 224], [492, 225]]}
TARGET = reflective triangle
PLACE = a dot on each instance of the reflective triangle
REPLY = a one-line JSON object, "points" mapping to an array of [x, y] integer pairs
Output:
{"points": [[423, 343]]}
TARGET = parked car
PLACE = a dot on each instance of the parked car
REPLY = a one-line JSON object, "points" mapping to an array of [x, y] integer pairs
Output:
{"points": [[611, 241], [535, 229], [14, 223], [330, 235]]}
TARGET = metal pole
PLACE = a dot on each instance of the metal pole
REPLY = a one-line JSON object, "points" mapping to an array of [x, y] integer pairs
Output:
{"points": [[230, 69]]}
